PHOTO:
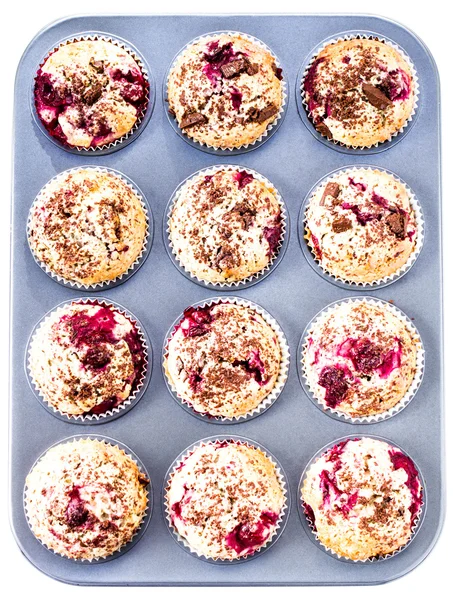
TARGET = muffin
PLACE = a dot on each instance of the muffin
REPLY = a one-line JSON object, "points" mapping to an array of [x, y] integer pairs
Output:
{"points": [[223, 359], [361, 226], [226, 227], [87, 359], [225, 90], [90, 93], [225, 500], [87, 226], [363, 498], [360, 358], [359, 92], [85, 499]]}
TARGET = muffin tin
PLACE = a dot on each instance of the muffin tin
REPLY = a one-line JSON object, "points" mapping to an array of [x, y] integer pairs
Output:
{"points": [[293, 429]]}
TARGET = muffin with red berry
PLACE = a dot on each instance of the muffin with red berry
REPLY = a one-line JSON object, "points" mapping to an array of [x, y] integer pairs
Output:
{"points": [[225, 90], [224, 359], [361, 359], [226, 226], [90, 93], [359, 92], [85, 499], [363, 498], [225, 500], [87, 359]]}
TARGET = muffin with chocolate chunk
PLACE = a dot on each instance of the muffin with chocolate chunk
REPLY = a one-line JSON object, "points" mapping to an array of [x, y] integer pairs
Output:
{"points": [[359, 92], [87, 358], [225, 90], [363, 498], [226, 226], [85, 499], [90, 93], [87, 226], [361, 225], [225, 500], [360, 358], [223, 359]]}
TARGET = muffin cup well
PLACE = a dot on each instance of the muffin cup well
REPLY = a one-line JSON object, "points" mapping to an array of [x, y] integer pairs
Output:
{"points": [[271, 128], [305, 113], [142, 119], [310, 528], [335, 279], [146, 517], [283, 480], [410, 393], [269, 400], [251, 279], [149, 234], [139, 388]]}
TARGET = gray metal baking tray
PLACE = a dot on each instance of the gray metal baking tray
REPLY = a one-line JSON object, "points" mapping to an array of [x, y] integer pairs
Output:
{"points": [[293, 429]]}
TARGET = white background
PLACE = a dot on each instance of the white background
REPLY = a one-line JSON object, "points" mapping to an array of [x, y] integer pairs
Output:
{"points": [[20, 24]]}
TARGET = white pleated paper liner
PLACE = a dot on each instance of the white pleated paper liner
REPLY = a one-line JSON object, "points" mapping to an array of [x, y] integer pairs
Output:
{"points": [[284, 513], [271, 128], [315, 264], [282, 377], [305, 114], [133, 268], [146, 517], [251, 279], [142, 119], [338, 414], [307, 523], [138, 389]]}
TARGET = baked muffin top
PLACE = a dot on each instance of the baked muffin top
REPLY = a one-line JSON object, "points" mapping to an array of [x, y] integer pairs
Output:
{"points": [[224, 90], [360, 358], [90, 93], [361, 226], [225, 227], [363, 497], [223, 359], [225, 500], [86, 358], [87, 226], [85, 499], [359, 92]]}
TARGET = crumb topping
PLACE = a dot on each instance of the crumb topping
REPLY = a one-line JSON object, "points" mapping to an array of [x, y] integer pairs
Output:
{"points": [[87, 226], [226, 227], [223, 360], [85, 499], [225, 499]]}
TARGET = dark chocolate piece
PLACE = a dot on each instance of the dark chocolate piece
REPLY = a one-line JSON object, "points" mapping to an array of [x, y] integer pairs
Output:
{"points": [[267, 113], [397, 223], [341, 224], [92, 94], [252, 68], [375, 97], [192, 119], [324, 130], [233, 68], [331, 189]]}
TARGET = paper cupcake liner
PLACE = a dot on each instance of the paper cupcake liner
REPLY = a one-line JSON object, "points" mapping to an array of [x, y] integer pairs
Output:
{"points": [[142, 119], [306, 115], [138, 262], [310, 528], [410, 393], [284, 513], [138, 389], [251, 279], [270, 129], [139, 532], [315, 263], [269, 400]]}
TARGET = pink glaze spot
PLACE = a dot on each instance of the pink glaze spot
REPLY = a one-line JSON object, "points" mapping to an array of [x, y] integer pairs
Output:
{"points": [[246, 537], [242, 178]]}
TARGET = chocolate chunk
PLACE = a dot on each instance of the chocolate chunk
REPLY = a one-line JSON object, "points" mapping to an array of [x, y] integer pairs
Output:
{"points": [[397, 223], [253, 113], [252, 68], [192, 119], [277, 71], [331, 189], [324, 130], [267, 113], [171, 112], [93, 93], [341, 224], [98, 65], [375, 97], [233, 68]]}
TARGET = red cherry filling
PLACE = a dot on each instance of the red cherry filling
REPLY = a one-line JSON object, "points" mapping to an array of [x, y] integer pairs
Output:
{"points": [[310, 515], [362, 217], [397, 85], [360, 186], [273, 235], [253, 365], [196, 321], [309, 85], [76, 514], [242, 178], [401, 461], [236, 98], [245, 537], [216, 57], [195, 381], [365, 356], [316, 246], [333, 379]]}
